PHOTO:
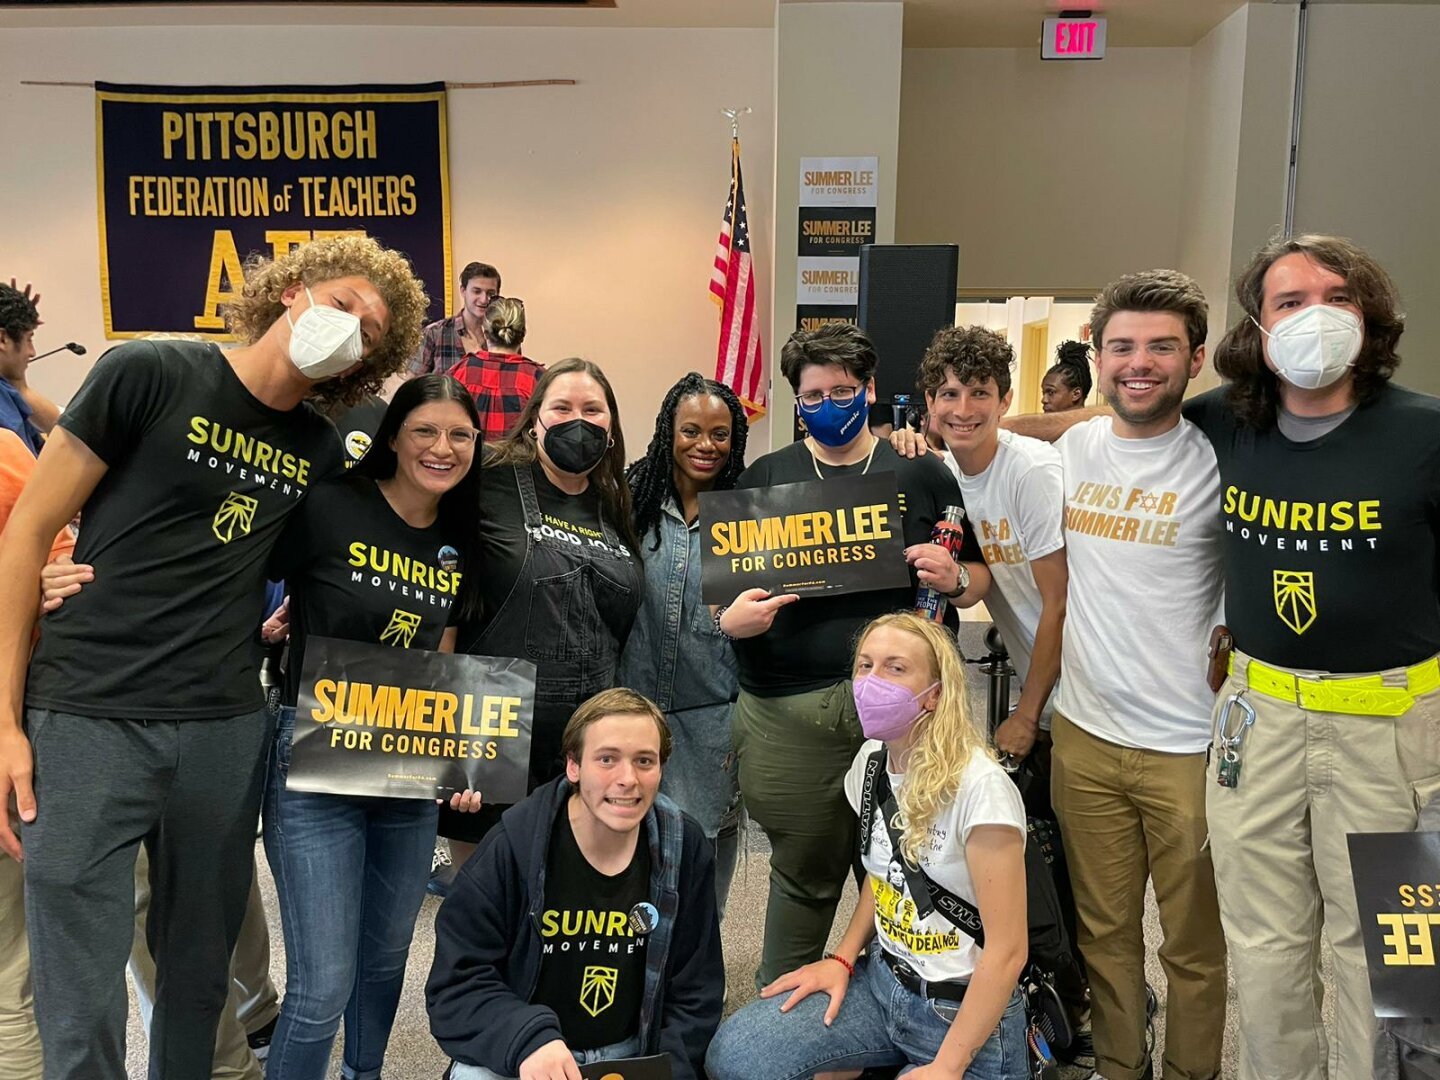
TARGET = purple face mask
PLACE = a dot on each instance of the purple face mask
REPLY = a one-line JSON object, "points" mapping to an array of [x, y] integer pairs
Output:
{"points": [[887, 710]]}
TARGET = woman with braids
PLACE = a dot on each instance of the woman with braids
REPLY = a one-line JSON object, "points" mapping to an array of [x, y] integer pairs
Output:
{"points": [[675, 656], [562, 581], [1067, 384], [909, 984]]}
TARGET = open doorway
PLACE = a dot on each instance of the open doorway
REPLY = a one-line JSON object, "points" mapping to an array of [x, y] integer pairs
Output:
{"points": [[1035, 326]]}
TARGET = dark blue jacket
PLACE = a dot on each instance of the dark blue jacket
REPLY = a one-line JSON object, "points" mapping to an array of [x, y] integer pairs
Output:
{"points": [[488, 943]]}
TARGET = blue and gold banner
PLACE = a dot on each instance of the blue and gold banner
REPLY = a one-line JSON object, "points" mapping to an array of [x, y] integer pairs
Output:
{"points": [[193, 180]]}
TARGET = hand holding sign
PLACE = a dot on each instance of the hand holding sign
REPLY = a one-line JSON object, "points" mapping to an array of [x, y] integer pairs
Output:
{"points": [[753, 612]]}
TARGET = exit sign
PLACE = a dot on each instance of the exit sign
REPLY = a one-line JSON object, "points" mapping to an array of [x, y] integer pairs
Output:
{"points": [[1073, 39]]}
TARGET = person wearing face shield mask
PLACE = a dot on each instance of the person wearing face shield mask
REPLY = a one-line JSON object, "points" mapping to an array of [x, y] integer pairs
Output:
{"points": [[925, 974], [562, 580], [143, 714], [1330, 476]]}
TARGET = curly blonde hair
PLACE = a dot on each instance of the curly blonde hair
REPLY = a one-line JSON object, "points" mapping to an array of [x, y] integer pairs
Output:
{"points": [[948, 737], [325, 260]]}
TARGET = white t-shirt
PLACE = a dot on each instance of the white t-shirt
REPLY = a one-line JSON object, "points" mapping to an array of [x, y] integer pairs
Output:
{"points": [[1017, 508], [1142, 535], [934, 946]]}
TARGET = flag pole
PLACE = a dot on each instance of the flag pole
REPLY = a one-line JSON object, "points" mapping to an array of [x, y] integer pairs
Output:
{"points": [[733, 115]]}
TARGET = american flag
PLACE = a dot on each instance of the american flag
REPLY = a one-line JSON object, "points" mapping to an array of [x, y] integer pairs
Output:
{"points": [[737, 363]]}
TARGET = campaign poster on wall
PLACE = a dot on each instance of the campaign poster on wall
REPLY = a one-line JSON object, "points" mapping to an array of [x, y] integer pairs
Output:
{"points": [[837, 208], [194, 180], [1397, 892], [821, 536], [407, 723]]}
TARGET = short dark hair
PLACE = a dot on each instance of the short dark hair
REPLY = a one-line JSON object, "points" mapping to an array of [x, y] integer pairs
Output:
{"points": [[1252, 390], [18, 314], [618, 701], [1152, 290], [834, 343], [973, 353], [478, 269]]}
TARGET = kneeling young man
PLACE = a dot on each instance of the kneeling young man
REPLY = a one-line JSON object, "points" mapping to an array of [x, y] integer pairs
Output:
{"points": [[584, 929]]}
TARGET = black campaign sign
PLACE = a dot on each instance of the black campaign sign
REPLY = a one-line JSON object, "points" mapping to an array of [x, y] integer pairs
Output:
{"points": [[821, 536], [372, 720], [656, 1067], [1397, 890], [192, 180]]}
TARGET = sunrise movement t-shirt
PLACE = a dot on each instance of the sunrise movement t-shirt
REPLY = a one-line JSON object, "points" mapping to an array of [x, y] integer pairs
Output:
{"points": [[592, 963], [809, 645], [358, 572], [201, 478], [1330, 545]]}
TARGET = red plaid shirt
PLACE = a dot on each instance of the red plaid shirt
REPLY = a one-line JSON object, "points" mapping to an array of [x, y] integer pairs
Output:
{"points": [[501, 384], [443, 345]]}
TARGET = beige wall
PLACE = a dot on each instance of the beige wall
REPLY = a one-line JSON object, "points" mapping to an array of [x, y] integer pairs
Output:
{"points": [[1369, 164], [1048, 175], [837, 95], [599, 202]]}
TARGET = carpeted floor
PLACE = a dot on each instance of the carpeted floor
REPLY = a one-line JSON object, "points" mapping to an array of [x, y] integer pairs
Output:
{"points": [[413, 1055]]}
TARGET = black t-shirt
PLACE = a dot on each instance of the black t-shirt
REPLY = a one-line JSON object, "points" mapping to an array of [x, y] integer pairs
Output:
{"points": [[357, 425], [809, 645], [592, 964], [358, 572], [568, 518], [1331, 545], [201, 479]]}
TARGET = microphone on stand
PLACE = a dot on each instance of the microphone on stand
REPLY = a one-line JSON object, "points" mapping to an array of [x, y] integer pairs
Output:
{"points": [[78, 350]]}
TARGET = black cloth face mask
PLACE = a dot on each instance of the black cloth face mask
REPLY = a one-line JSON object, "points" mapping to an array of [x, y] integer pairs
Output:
{"points": [[576, 446]]}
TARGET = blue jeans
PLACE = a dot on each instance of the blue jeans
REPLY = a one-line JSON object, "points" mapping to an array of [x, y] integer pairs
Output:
{"points": [[703, 778], [881, 1023], [350, 873]]}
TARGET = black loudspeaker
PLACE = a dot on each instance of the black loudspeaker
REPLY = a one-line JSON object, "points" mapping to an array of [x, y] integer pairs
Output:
{"points": [[907, 292]]}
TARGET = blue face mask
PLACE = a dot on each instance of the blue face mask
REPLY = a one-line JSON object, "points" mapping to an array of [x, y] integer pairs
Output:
{"points": [[836, 425]]}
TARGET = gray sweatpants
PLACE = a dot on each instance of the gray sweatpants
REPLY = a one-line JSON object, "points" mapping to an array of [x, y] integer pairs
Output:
{"points": [[190, 790]]}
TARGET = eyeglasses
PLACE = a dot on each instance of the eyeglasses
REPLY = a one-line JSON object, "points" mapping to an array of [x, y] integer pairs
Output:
{"points": [[427, 435], [841, 396]]}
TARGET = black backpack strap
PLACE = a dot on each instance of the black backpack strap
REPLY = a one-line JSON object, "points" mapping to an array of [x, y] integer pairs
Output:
{"points": [[929, 897]]}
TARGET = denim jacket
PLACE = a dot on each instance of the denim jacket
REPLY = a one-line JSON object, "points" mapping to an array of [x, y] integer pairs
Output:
{"points": [[674, 655]]}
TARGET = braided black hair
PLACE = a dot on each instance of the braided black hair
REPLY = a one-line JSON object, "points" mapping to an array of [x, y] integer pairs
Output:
{"points": [[652, 478], [1072, 364]]}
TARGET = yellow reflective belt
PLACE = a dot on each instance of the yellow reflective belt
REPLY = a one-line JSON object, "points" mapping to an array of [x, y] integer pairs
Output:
{"points": [[1366, 695]]}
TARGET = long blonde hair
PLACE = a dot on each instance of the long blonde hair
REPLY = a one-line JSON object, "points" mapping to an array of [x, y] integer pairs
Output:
{"points": [[946, 740]]}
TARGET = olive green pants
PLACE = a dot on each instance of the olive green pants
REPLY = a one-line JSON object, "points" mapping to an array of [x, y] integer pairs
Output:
{"points": [[794, 753]]}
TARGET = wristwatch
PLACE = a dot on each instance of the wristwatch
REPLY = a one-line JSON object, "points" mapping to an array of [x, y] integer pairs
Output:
{"points": [[964, 582]]}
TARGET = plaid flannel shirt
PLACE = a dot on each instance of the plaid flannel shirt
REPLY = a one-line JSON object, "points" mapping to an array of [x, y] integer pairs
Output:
{"points": [[443, 345], [501, 384]]}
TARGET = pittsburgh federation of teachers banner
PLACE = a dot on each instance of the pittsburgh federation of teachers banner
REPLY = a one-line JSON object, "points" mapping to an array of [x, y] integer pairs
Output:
{"points": [[822, 536], [372, 720], [192, 180]]}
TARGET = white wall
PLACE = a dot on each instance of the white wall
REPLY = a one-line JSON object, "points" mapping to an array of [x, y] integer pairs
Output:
{"points": [[1370, 155], [599, 202], [1048, 175], [1212, 158]]}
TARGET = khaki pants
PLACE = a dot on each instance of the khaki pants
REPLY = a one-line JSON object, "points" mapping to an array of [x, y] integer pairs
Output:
{"points": [[1283, 867], [19, 1038], [1127, 815], [253, 1002]]}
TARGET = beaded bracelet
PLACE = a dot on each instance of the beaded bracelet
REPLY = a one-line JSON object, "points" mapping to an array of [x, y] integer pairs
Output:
{"points": [[846, 964]]}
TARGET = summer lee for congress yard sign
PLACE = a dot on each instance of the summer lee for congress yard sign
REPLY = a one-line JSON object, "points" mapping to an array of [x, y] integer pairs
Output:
{"points": [[823, 536], [193, 180], [1397, 891], [372, 720]]}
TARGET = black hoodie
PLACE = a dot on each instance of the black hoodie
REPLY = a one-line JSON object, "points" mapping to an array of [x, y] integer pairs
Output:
{"points": [[488, 943]]}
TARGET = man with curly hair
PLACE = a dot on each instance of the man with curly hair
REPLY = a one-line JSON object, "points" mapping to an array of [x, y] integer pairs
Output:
{"points": [[143, 715], [1330, 480], [25, 411]]}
